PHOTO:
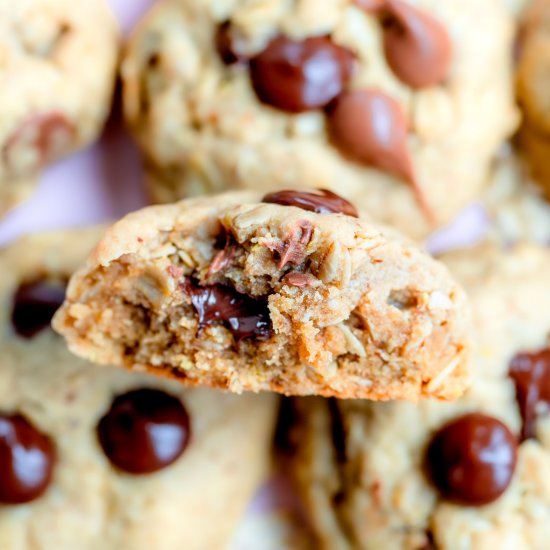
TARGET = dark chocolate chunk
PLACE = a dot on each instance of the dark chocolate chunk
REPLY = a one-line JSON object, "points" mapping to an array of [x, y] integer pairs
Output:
{"points": [[531, 375], [244, 316], [144, 431], [34, 305], [322, 201], [299, 76], [471, 460], [27, 459]]}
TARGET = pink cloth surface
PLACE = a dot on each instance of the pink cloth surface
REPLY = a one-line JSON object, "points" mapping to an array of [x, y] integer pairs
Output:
{"points": [[105, 181]]}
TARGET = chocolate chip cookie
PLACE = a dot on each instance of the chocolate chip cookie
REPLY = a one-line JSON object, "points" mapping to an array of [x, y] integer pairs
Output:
{"points": [[473, 474], [57, 69], [533, 80], [290, 293], [101, 458], [397, 105]]}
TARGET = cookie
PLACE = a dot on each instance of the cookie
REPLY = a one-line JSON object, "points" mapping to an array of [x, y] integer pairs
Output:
{"points": [[515, 204], [286, 293], [473, 474], [99, 457], [397, 106], [533, 78], [57, 72]]}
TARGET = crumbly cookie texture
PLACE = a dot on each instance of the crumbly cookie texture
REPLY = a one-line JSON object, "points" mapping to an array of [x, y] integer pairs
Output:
{"points": [[369, 471], [533, 78], [209, 450], [398, 106], [236, 293], [57, 71]]}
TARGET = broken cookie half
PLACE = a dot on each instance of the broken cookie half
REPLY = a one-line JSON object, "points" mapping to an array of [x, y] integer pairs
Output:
{"points": [[291, 293]]}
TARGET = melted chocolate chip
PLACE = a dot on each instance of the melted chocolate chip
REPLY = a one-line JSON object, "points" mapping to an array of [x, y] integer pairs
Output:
{"points": [[225, 47], [531, 375], [292, 249], [144, 431], [299, 76], [471, 460], [48, 134], [322, 202], [417, 46], [34, 305], [244, 316], [227, 249], [27, 460], [371, 127]]}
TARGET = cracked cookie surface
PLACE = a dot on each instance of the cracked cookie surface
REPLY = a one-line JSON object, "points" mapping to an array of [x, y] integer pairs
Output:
{"points": [[99, 457], [233, 292]]}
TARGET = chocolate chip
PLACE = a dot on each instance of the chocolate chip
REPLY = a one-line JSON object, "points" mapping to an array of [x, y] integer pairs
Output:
{"points": [[371, 127], [300, 280], [34, 305], [49, 135], [299, 76], [227, 250], [144, 431], [531, 375], [244, 316], [27, 459], [322, 201], [471, 460], [225, 46], [292, 249], [417, 46]]}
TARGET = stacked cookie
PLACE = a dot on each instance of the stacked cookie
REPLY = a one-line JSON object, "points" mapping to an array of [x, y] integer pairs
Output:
{"points": [[319, 142], [57, 74]]}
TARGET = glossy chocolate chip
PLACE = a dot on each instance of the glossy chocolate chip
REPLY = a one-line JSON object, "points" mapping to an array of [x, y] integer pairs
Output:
{"points": [[244, 316], [299, 76], [27, 459], [371, 127], [34, 305], [322, 201], [225, 46], [48, 134], [144, 431], [471, 460], [292, 248], [416, 45], [531, 375]]}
